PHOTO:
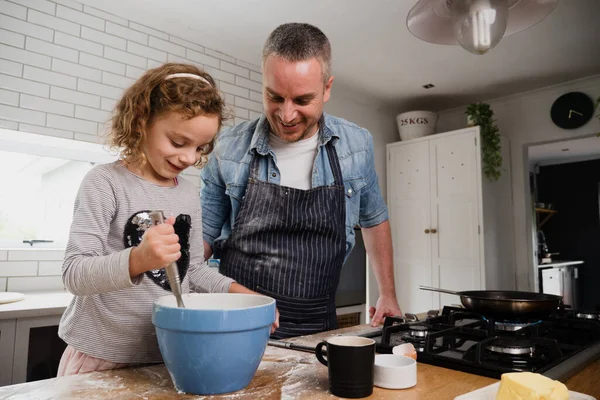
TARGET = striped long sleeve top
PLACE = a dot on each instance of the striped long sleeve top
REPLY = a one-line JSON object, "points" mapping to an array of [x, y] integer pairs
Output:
{"points": [[110, 315]]}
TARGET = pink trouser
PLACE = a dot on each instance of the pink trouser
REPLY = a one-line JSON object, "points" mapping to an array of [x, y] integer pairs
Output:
{"points": [[74, 362]]}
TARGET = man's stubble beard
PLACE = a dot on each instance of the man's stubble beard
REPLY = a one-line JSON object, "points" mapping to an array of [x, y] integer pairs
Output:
{"points": [[286, 138]]}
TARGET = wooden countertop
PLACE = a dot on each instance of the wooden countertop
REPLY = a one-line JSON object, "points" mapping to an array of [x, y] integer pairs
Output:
{"points": [[282, 374]]}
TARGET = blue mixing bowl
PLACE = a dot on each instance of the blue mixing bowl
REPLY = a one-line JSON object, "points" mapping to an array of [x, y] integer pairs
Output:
{"points": [[215, 344]]}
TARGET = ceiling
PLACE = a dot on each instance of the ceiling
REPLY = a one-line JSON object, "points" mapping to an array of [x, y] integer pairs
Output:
{"points": [[375, 55], [565, 151]]}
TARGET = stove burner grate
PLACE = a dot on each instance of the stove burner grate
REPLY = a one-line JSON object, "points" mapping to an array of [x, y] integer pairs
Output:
{"points": [[513, 326], [418, 331], [465, 341], [588, 315], [511, 346]]}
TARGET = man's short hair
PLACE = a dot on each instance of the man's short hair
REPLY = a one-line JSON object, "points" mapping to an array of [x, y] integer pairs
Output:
{"points": [[300, 42]]}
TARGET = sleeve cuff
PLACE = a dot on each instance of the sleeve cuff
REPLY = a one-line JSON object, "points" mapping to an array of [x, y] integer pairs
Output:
{"points": [[208, 239], [204, 279], [224, 285], [124, 280], [374, 219]]}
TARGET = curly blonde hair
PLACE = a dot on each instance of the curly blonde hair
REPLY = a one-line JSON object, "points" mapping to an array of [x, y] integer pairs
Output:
{"points": [[151, 96]]}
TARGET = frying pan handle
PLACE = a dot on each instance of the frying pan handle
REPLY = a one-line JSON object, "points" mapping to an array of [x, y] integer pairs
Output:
{"points": [[433, 289]]}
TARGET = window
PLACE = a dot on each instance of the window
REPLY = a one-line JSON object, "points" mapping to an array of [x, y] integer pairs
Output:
{"points": [[39, 180], [37, 201]]}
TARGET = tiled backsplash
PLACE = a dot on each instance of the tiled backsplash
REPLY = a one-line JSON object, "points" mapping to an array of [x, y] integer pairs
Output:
{"points": [[63, 66], [31, 270]]}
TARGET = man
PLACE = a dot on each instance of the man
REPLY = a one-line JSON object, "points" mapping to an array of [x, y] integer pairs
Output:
{"points": [[281, 194]]}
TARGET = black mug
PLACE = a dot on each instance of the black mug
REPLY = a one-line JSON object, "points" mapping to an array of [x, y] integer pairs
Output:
{"points": [[350, 361]]}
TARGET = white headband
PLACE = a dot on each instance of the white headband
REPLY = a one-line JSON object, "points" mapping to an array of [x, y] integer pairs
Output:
{"points": [[185, 75]]}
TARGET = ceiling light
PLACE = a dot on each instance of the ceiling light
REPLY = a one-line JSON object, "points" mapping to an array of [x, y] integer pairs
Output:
{"points": [[476, 25]]}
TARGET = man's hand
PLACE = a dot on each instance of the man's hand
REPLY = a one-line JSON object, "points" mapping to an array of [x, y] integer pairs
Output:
{"points": [[275, 324], [237, 288], [378, 243], [387, 306]]}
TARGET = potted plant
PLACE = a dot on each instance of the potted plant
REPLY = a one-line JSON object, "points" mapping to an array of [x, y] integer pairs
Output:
{"points": [[482, 114]]}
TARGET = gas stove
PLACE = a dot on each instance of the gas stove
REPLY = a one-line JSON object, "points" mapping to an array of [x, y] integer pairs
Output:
{"points": [[558, 346]]}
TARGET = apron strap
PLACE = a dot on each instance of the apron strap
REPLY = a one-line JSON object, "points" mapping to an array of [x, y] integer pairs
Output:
{"points": [[335, 164], [254, 167]]}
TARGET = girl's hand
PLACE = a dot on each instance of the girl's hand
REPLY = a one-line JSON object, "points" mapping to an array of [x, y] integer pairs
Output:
{"points": [[159, 248]]}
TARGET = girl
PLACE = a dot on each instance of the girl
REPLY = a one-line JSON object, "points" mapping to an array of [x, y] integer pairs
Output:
{"points": [[166, 122]]}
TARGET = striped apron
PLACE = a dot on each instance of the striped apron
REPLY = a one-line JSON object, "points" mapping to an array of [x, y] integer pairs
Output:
{"points": [[289, 244]]}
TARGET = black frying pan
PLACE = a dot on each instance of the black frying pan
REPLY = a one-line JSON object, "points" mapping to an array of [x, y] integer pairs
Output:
{"points": [[501, 304]]}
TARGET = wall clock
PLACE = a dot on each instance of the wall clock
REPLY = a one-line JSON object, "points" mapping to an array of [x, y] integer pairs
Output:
{"points": [[572, 110]]}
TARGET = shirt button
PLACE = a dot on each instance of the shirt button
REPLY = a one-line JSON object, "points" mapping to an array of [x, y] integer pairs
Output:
{"points": [[273, 174], [349, 191]]}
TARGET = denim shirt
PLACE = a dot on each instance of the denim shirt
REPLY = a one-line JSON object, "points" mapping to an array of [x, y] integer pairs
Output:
{"points": [[224, 178]]}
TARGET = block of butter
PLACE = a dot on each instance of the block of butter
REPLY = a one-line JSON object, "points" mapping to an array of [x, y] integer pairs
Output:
{"points": [[530, 386]]}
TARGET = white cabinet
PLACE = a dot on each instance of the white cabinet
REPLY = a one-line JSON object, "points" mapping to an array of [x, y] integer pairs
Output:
{"points": [[30, 349], [7, 350], [451, 227], [37, 349], [552, 280]]}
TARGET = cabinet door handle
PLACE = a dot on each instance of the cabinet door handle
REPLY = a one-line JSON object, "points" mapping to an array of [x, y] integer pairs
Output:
{"points": [[427, 231], [433, 231]]}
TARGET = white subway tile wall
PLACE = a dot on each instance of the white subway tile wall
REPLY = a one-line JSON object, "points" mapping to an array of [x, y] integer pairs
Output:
{"points": [[34, 284], [31, 270], [19, 268], [50, 268], [10, 98], [8, 124], [63, 67], [35, 255]]}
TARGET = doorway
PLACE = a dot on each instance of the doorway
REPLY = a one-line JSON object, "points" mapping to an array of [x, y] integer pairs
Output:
{"points": [[565, 208]]}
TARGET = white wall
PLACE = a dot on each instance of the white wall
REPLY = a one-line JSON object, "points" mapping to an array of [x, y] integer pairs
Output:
{"points": [[370, 115], [63, 65], [31, 270], [381, 122], [525, 120]]}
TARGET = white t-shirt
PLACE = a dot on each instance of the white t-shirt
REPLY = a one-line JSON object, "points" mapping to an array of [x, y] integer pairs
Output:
{"points": [[295, 160]]}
